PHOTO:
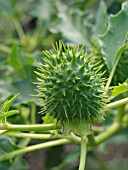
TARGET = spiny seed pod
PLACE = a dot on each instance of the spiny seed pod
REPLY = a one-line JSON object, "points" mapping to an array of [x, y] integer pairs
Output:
{"points": [[121, 72], [71, 88]]}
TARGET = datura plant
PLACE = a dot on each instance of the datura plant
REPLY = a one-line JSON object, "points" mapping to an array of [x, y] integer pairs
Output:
{"points": [[71, 89], [73, 96]]}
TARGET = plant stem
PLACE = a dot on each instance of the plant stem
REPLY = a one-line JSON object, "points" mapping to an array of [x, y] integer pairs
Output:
{"points": [[33, 113], [112, 130], [114, 67], [83, 153], [44, 136], [3, 132], [110, 78], [35, 127], [18, 28], [34, 148], [5, 49], [29, 135], [121, 113], [117, 103]]}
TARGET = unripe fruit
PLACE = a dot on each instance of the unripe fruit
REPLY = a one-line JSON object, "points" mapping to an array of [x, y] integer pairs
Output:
{"points": [[121, 72], [71, 88]]}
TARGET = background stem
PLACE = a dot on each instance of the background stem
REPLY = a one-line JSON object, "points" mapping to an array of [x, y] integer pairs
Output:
{"points": [[111, 131], [33, 113], [34, 148]]}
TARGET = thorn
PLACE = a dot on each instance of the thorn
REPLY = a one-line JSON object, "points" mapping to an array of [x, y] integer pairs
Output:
{"points": [[68, 103], [80, 104], [65, 111], [82, 67], [85, 97], [63, 92], [60, 48], [78, 78], [80, 114], [77, 89], [73, 61]]}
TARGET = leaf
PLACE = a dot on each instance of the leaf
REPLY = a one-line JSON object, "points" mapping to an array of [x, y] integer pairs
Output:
{"points": [[43, 9], [101, 19], [115, 36], [7, 114], [14, 60], [7, 7], [6, 105], [21, 62], [74, 25], [119, 89], [7, 145], [19, 163], [25, 88]]}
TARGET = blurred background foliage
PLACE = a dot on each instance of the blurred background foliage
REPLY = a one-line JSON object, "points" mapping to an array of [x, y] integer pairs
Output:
{"points": [[27, 27]]}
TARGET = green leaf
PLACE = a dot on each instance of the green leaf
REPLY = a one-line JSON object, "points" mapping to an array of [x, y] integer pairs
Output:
{"points": [[43, 9], [21, 62], [7, 7], [19, 163], [74, 25], [119, 89], [6, 105], [7, 114], [7, 145], [14, 60], [101, 19], [25, 88], [115, 36]]}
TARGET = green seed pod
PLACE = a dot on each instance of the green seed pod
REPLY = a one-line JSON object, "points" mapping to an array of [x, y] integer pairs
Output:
{"points": [[71, 88], [121, 72]]}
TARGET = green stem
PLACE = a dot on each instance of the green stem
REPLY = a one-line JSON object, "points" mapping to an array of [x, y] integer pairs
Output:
{"points": [[30, 135], [35, 127], [33, 113], [117, 103], [110, 78], [5, 49], [112, 130], [18, 28], [24, 142], [3, 120], [34, 148], [44, 136], [83, 153], [3, 132], [121, 113], [114, 67]]}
